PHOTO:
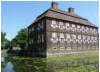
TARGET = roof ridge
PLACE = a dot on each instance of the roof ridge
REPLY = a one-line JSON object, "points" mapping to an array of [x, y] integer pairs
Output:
{"points": [[66, 13]]}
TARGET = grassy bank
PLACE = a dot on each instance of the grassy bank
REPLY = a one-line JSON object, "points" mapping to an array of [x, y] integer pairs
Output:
{"points": [[87, 62]]}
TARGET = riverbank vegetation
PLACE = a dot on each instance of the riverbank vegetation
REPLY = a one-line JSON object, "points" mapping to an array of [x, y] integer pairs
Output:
{"points": [[87, 62]]}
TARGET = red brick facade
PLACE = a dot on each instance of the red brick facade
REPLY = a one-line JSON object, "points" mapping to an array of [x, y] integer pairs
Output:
{"points": [[59, 32]]}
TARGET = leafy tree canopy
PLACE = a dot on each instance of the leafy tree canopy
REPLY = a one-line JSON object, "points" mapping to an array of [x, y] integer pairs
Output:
{"points": [[21, 39], [4, 42]]}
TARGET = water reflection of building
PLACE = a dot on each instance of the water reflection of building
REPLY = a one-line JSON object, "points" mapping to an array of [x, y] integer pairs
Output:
{"points": [[58, 32]]}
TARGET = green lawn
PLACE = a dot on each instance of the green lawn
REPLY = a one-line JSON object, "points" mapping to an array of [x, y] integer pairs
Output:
{"points": [[87, 62]]}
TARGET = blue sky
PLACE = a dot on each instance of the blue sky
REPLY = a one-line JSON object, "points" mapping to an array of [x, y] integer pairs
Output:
{"points": [[16, 15]]}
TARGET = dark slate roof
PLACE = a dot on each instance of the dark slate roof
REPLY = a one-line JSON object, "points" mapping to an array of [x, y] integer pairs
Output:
{"points": [[63, 15]]}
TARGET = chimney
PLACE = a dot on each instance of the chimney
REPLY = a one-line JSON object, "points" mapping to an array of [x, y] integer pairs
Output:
{"points": [[54, 5], [71, 10]]}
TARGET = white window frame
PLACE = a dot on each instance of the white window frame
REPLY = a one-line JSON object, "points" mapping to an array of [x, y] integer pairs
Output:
{"points": [[73, 36], [92, 37], [79, 36], [67, 24], [95, 38], [84, 37], [61, 24], [54, 37], [88, 37], [78, 26], [61, 35], [68, 36], [87, 28], [73, 25], [53, 25]]}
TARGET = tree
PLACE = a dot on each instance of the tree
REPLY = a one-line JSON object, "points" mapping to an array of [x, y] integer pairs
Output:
{"points": [[21, 39], [4, 41]]}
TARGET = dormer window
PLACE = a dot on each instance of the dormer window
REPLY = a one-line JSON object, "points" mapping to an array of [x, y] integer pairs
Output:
{"points": [[53, 25]]}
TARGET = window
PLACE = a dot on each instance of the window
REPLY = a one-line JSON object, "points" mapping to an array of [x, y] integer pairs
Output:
{"points": [[73, 25], [88, 37], [83, 27], [67, 25], [91, 37], [84, 37], [78, 26], [29, 30], [42, 38], [32, 41], [54, 35], [87, 28], [62, 48], [38, 40], [90, 29], [95, 38], [68, 36], [61, 24], [94, 29], [54, 48], [73, 36], [42, 24], [32, 28], [53, 24], [79, 36], [29, 41], [61, 35], [38, 28]]}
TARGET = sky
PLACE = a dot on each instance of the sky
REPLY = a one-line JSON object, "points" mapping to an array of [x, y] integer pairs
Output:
{"points": [[16, 15]]}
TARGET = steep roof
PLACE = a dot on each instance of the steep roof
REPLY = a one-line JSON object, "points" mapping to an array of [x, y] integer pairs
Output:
{"points": [[63, 15]]}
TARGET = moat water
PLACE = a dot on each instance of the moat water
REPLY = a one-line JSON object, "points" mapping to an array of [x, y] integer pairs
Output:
{"points": [[71, 63]]}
